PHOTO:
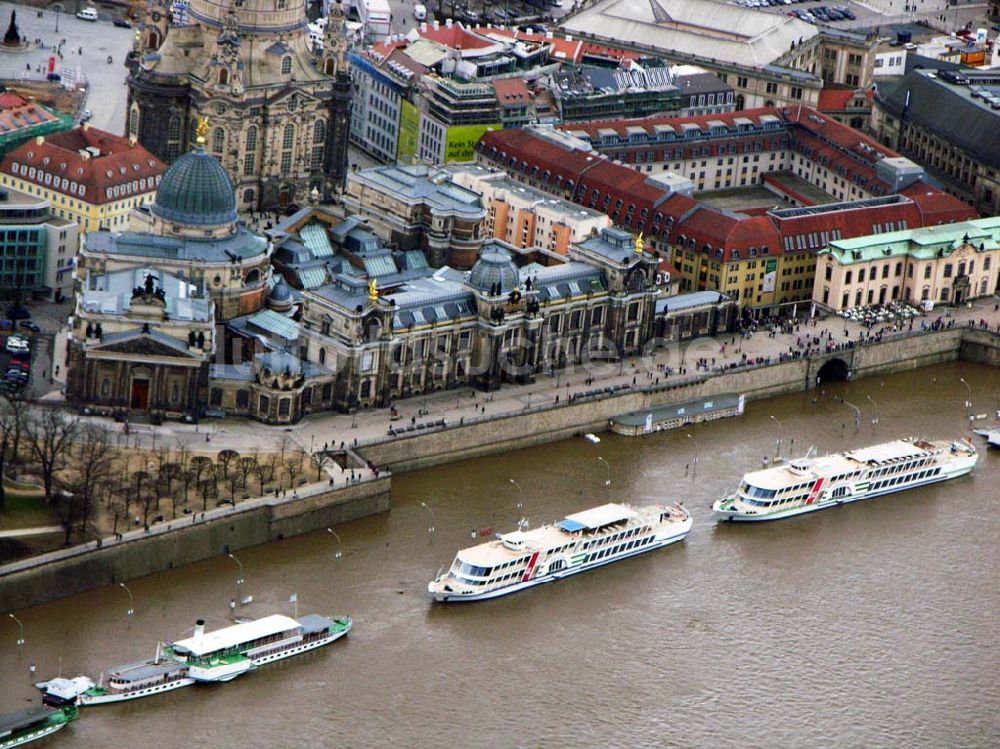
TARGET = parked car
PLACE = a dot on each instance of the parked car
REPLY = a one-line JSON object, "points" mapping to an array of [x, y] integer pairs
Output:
{"points": [[20, 354], [28, 325], [122, 23], [18, 313], [21, 364], [87, 14]]}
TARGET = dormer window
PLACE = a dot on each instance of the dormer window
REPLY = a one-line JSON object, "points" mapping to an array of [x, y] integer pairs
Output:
{"points": [[286, 65]]}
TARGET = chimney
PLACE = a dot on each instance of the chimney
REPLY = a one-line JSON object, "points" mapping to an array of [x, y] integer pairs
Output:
{"points": [[199, 628], [39, 140], [447, 23]]}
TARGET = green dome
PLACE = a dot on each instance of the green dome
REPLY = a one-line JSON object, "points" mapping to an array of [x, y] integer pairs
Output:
{"points": [[195, 191]]}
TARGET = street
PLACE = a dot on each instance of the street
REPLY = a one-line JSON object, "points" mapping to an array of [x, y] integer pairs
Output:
{"points": [[98, 40]]}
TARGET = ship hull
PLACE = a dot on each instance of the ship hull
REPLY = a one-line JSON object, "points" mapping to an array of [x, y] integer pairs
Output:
{"points": [[299, 649], [957, 470], [104, 699], [30, 736], [455, 597]]}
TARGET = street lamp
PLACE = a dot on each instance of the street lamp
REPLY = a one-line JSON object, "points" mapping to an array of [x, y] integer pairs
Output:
{"points": [[131, 603], [20, 630], [857, 413], [239, 580], [696, 449], [777, 441], [430, 528], [875, 406], [968, 403], [608, 466], [340, 545], [520, 491]]}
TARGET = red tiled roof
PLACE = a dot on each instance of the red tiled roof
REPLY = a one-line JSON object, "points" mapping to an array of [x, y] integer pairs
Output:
{"points": [[456, 36], [23, 117], [511, 92], [835, 98], [9, 100], [724, 232], [937, 206], [116, 173], [591, 127]]}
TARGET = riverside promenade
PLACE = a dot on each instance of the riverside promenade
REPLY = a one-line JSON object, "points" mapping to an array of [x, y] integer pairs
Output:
{"points": [[465, 424], [462, 406]]}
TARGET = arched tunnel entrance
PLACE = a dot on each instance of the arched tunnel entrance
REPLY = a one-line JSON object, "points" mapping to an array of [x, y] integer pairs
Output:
{"points": [[835, 369]]}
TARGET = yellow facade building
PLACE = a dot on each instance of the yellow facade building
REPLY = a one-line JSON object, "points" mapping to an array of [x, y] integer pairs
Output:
{"points": [[89, 176]]}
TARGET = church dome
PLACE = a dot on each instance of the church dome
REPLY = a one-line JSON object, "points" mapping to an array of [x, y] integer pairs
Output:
{"points": [[280, 297], [493, 267], [195, 191]]}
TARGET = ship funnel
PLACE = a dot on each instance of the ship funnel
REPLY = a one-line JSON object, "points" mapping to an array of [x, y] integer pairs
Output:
{"points": [[199, 628]]}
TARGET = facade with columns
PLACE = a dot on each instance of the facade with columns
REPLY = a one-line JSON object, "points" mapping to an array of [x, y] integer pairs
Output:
{"points": [[279, 115], [143, 334]]}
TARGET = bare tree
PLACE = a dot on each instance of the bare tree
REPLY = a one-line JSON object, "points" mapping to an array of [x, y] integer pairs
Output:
{"points": [[141, 496], [321, 460], [182, 450], [67, 506], [187, 478], [284, 442], [50, 434], [293, 468], [200, 464], [246, 465], [233, 479], [226, 457], [207, 488], [94, 460], [12, 412]]}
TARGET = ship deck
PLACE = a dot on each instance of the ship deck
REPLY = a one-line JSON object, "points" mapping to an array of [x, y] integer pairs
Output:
{"points": [[567, 532]]}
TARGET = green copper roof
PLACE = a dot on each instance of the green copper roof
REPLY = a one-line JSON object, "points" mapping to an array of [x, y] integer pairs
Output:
{"points": [[925, 243], [196, 191]]}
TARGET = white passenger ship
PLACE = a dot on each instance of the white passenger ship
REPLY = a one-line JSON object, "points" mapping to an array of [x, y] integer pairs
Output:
{"points": [[582, 541], [217, 656], [809, 484]]}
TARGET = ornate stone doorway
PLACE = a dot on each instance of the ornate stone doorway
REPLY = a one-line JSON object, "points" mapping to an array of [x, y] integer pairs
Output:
{"points": [[140, 395]]}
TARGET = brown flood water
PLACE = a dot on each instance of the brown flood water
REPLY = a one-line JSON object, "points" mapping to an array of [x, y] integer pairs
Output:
{"points": [[872, 625]]}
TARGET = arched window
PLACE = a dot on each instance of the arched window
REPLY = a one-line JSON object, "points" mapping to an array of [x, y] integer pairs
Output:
{"points": [[286, 66], [328, 66], [322, 356], [319, 131], [248, 196], [250, 157], [218, 140], [153, 40], [223, 77], [287, 143], [174, 128]]}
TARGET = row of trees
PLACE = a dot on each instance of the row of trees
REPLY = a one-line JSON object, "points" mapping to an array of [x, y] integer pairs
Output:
{"points": [[89, 480]]}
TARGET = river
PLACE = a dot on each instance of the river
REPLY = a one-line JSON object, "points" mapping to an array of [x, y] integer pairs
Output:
{"points": [[868, 625]]}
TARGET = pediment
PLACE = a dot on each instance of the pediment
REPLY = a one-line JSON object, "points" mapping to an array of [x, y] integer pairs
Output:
{"points": [[145, 345]]}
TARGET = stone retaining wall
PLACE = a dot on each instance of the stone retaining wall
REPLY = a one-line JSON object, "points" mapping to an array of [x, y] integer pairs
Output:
{"points": [[248, 524]]}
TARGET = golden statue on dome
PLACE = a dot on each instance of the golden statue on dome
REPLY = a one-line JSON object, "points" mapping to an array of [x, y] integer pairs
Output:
{"points": [[639, 244], [202, 130], [373, 291]]}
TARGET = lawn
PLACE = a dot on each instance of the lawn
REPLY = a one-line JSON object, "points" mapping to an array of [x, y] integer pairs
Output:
{"points": [[25, 508]]}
